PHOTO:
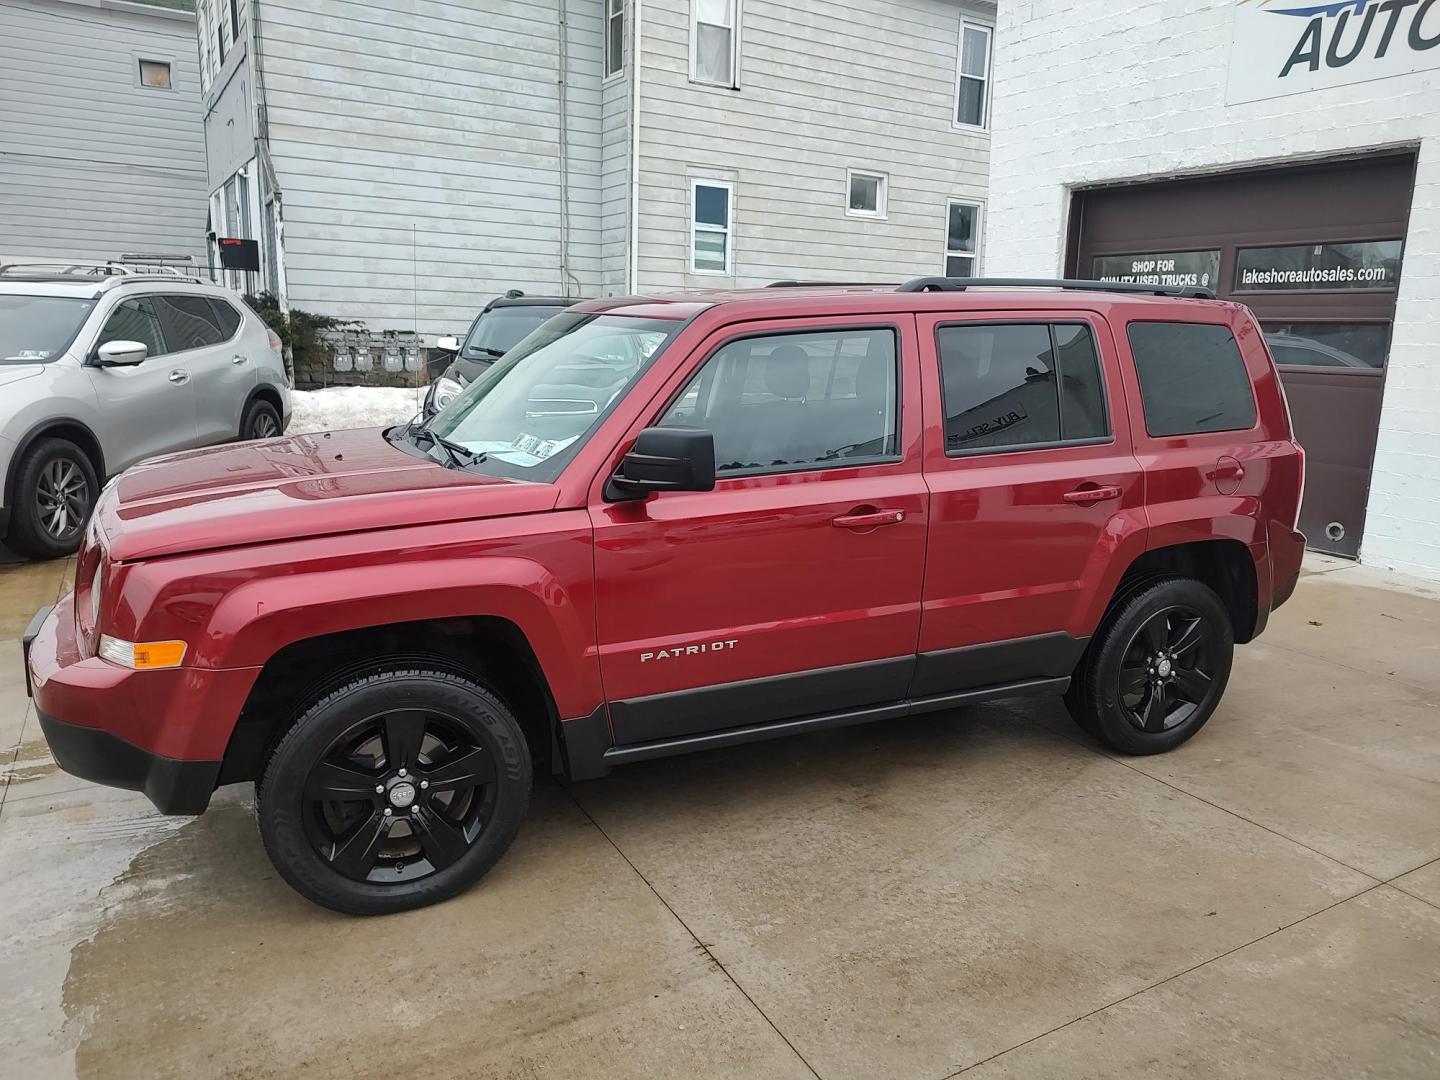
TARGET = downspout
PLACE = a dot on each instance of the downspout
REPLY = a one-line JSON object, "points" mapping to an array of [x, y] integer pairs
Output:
{"points": [[634, 284], [567, 277]]}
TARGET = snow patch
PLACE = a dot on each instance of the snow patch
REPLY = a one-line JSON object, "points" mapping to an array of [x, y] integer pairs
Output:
{"points": [[336, 408]]}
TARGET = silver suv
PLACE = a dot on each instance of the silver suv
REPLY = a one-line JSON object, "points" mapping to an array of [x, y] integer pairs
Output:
{"points": [[101, 366]]}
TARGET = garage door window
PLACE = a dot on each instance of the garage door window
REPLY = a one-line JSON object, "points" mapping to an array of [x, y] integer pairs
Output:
{"points": [[1345, 346], [1192, 378]]}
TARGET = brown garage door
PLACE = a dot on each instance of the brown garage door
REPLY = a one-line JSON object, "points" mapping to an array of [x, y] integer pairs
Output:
{"points": [[1316, 253]]}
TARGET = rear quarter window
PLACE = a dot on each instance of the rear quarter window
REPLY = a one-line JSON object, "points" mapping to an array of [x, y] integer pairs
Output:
{"points": [[1192, 378]]}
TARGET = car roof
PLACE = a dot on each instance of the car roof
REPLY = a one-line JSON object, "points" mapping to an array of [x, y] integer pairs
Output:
{"points": [[860, 299]]}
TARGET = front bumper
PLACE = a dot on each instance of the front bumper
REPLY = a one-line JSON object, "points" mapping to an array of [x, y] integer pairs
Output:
{"points": [[175, 787], [160, 732]]}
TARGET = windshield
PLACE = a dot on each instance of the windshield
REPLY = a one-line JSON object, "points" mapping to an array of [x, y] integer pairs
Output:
{"points": [[39, 328], [499, 330], [532, 411]]}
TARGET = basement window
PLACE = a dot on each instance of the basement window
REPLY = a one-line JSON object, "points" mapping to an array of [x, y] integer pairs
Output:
{"points": [[155, 74]]}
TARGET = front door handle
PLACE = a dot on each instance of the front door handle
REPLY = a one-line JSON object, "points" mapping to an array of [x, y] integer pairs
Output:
{"points": [[179, 375], [238, 359], [869, 519], [1091, 494]]}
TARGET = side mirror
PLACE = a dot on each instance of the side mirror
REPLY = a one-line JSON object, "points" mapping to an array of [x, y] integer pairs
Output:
{"points": [[449, 343], [122, 353], [664, 459]]}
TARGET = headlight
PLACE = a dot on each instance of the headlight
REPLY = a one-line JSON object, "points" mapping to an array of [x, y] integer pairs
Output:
{"points": [[142, 655], [95, 596], [445, 391]]}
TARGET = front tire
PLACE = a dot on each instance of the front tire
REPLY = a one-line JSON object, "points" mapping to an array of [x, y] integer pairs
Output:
{"points": [[1156, 670], [399, 789], [55, 493]]}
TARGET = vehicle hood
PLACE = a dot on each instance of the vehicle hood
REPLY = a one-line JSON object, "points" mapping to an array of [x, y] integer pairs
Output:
{"points": [[292, 488]]}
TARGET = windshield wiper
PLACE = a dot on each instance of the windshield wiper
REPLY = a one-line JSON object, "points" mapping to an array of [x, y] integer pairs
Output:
{"points": [[460, 456], [485, 350]]}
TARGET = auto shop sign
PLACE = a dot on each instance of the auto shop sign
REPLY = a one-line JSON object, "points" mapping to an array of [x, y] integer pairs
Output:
{"points": [[1289, 46]]}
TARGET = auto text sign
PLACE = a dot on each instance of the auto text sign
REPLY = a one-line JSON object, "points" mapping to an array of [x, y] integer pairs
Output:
{"points": [[1284, 47]]}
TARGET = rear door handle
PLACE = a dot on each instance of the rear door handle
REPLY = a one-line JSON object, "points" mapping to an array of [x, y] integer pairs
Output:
{"points": [[238, 359], [1091, 494], [179, 376], [869, 519]]}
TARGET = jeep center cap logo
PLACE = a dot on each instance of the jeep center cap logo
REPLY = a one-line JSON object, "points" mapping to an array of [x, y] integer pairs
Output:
{"points": [[1289, 46]]}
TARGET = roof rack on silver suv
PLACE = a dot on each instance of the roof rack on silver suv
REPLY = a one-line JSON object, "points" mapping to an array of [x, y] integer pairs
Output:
{"points": [[127, 265]]}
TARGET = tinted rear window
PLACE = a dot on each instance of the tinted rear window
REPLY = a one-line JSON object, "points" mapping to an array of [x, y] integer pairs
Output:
{"points": [[226, 315], [1192, 378]]}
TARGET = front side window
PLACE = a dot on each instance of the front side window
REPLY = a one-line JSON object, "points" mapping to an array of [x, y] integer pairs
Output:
{"points": [[972, 94], [867, 194], [188, 322], [796, 401], [34, 329], [614, 37], [962, 238], [1013, 386], [712, 41], [710, 232], [531, 411], [1192, 378], [134, 320]]}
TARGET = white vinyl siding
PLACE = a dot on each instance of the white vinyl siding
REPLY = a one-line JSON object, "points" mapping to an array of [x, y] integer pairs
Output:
{"points": [[972, 75], [92, 163], [414, 191], [829, 85], [714, 41]]}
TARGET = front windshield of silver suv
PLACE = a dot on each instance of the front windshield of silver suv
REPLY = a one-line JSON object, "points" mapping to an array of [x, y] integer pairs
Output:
{"points": [[532, 411], [34, 329]]}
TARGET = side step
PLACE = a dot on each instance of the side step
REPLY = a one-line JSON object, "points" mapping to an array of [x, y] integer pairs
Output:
{"points": [[620, 755]]}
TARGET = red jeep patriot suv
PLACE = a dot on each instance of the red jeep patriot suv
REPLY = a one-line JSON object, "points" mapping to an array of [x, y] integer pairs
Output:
{"points": [[666, 524]]}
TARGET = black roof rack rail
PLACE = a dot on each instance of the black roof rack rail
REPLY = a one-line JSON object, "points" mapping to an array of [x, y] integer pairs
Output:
{"points": [[960, 284], [843, 284]]}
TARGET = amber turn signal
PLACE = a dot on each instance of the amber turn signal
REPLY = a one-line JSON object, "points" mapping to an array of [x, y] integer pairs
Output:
{"points": [[142, 655]]}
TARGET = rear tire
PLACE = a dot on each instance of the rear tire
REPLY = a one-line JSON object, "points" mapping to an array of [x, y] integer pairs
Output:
{"points": [[1155, 672], [397, 790], [55, 492], [261, 421]]}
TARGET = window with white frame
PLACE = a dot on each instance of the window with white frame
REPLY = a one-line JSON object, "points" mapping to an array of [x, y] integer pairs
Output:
{"points": [[972, 90], [713, 41], [962, 239], [614, 37], [711, 206], [866, 193]]}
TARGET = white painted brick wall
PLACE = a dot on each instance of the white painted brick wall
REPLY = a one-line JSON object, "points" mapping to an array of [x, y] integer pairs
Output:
{"points": [[1089, 91]]}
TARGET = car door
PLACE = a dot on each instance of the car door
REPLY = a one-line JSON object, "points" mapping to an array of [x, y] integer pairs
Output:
{"points": [[148, 408], [1037, 499], [793, 588], [221, 373]]}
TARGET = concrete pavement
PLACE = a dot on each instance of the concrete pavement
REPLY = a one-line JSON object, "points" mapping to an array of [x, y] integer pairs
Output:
{"points": [[979, 890]]}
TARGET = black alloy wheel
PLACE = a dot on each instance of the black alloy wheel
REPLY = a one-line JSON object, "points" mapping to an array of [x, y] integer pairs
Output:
{"points": [[1156, 669], [398, 789], [1166, 674], [399, 796]]}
